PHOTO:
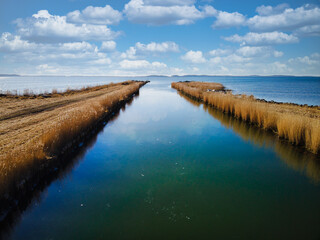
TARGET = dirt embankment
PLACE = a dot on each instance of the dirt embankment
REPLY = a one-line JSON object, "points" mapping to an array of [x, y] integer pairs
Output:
{"points": [[42, 126]]}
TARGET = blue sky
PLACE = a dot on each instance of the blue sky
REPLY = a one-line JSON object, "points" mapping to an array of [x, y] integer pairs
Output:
{"points": [[143, 37]]}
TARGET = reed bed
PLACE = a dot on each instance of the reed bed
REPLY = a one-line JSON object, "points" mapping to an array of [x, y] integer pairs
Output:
{"points": [[302, 161], [300, 125], [68, 127]]}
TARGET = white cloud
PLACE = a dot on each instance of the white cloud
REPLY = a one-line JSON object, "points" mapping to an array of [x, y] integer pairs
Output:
{"points": [[194, 57], [288, 19], [157, 47], [312, 30], [95, 15], [108, 46], [141, 64], [71, 53], [226, 20], [101, 61], [268, 38], [75, 46], [252, 51], [219, 52], [269, 10], [302, 21], [314, 59], [235, 58], [170, 12], [141, 49], [130, 53], [169, 2], [277, 54], [11, 43], [44, 27], [249, 51]]}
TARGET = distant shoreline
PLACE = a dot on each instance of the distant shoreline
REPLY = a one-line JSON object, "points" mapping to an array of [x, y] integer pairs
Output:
{"points": [[168, 76]]}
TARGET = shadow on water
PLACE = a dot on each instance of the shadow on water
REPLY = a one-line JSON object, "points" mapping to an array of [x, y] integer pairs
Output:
{"points": [[26, 186], [294, 157]]}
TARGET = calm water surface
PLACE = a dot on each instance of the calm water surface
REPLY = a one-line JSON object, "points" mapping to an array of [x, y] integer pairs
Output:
{"points": [[301, 90], [170, 168]]}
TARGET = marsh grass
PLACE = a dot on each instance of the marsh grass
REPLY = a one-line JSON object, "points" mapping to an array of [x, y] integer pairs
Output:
{"points": [[297, 127], [77, 121], [72, 125], [296, 158]]}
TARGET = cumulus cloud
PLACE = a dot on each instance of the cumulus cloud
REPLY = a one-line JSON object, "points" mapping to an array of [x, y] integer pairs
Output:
{"points": [[141, 49], [44, 27], [244, 53], [141, 64], [230, 59], [313, 30], [268, 38], [269, 10], [281, 18], [249, 51], [70, 53], [219, 52], [302, 21], [194, 57], [130, 53], [169, 2], [108, 46], [177, 12], [95, 15], [278, 54], [227, 20], [313, 59], [157, 47], [252, 51], [74, 46], [12, 43]]}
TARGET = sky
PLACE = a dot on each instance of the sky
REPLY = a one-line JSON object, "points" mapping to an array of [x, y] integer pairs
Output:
{"points": [[160, 37]]}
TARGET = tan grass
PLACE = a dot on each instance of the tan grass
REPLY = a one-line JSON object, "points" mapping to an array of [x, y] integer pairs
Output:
{"points": [[300, 125], [301, 161], [35, 136]]}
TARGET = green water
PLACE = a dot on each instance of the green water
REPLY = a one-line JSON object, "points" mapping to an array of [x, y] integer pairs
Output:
{"points": [[169, 168]]}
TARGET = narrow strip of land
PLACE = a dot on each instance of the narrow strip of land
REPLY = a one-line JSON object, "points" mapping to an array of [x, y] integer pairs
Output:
{"points": [[42, 126], [298, 124]]}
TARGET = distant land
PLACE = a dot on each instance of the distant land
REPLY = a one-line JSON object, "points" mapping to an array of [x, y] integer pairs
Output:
{"points": [[8, 75], [180, 76], [230, 76]]}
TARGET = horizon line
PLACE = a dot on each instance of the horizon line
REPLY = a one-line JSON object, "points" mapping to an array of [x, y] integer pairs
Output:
{"points": [[155, 75]]}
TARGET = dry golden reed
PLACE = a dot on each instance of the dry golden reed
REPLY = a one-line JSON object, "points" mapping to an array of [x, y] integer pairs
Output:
{"points": [[71, 125], [295, 126], [76, 121]]}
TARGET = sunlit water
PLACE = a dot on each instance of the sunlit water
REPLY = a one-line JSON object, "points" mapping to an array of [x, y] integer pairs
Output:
{"points": [[301, 90], [169, 168]]}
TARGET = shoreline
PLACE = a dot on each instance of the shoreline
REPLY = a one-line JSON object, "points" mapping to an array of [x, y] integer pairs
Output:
{"points": [[298, 124], [25, 184], [51, 133]]}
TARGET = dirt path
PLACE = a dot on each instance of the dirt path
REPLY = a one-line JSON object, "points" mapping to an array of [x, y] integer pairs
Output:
{"points": [[25, 119], [12, 108]]}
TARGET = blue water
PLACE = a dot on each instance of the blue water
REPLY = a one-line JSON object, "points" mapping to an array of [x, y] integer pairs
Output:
{"points": [[301, 90], [167, 167]]}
